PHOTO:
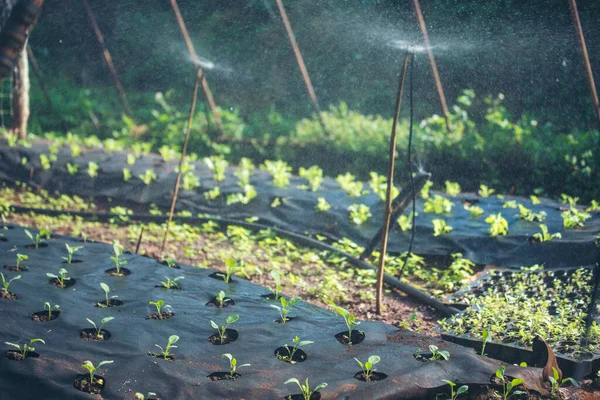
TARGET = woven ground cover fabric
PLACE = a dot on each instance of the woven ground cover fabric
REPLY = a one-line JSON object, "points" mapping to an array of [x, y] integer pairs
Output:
{"points": [[51, 375]]}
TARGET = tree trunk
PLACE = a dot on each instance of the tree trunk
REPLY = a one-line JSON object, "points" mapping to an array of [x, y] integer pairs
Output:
{"points": [[21, 96]]}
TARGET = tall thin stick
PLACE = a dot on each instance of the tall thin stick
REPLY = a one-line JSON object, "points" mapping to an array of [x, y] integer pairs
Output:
{"points": [[199, 76], [107, 57], [586, 59], [434, 69], [301, 65], [192, 51], [38, 74], [390, 182]]}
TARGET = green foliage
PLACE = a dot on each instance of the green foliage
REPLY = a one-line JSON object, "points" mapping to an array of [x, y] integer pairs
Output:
{"points": [[70, 252], [405, 222], [367, 366], [280, 171], [544, 235], [61, 278], [314, 175], [166, 352], [556, 382], [498, 225], [359, 213], [438, 205], [92, 369], [286, 305], [218, 165], [475, 211], [221, 330], [233, 364], [485, 191], [27, 347], [305, 388], [378, 184], [508, 386], [452, 188], [148, 177], [528, 215], [437, 354], [574, 218], [349, 318], [440, 227], [291, 351], [350, 185], [454, 395], [92, 169], [322, 204]]}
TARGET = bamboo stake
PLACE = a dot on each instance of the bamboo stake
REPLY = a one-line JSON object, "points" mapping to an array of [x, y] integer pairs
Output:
{"points": [[38, 74], [192, 51], [586, 59], [199, 76], [107, 57], [139, 241], [302, 66], [388, 195], [434, 69]]}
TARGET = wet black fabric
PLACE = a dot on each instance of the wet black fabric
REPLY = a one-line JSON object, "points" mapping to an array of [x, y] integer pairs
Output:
{"points": [[470, 235], [51, 375]]}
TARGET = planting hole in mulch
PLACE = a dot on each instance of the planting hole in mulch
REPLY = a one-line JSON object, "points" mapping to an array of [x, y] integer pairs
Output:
{"points": [[314, 396], [227, 301], [91, 335], [82, 383], [231, 335], [221, 376], [163, 315], [170, 357], [287, 319], [284, 355], [375, 376], [221, 276], [169, 288], [357, 337], [68, 283], [73, 262], [15, 269], [111, 303], [17, 356], [44, 316], [3, 239], [8, 295], [113, 272], [33, 247], [270, 296], [5, 227], [173, 264]]}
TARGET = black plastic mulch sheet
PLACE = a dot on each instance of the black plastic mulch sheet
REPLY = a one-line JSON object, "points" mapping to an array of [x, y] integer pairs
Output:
{"points": [[51, 375], [469, 235]]}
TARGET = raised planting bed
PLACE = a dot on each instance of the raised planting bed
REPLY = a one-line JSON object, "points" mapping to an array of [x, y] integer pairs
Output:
{"points": [[515, 307], [335, 208], [116, 351]]}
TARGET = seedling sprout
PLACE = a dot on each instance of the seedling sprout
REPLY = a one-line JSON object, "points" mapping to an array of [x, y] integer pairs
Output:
{"points": [[233, 364], [49, 307], [61, 278], [160, 307], [172, 283], [276, 275], [141, 396], [230, 266], [221, 298], [35, 240], [463, 389], [165, 353], [508, 388], [556, 382], [92, 370], [367, 367], [106, 290], [349, 318], [221, 330], [21, 258], [305, 389], [27, 347], [292, 351], [98, 329], [70, 252], [6, 284], [286, 305], [118, 250]]}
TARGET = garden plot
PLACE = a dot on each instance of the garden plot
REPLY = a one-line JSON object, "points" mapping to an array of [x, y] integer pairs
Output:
{"points": [[176, 331], [506, 310], [485, 228]]}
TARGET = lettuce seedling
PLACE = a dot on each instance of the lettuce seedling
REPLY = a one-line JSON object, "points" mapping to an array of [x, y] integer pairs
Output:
{"points": [[221, 298], [221, 330], [276, 275], [230, 267], [573, 218], [171, 283], [314, 175], [440, 227], [92, 169], [21, 258], [70, 252], [291, 351], [322, 205], [6, 284], [359, 213], [485, 336], [286, 305], [170, 263], [485, 191], [118, 250], [305, 389], [148, 177], [498, 225], [437, 354], [452, 188], [72, 168], [508, 387], [49, 307], [106, 290], [463, 389], [165, 353], [160, 307], [92, 370], [438, 205], [98, 329], [349, 319], [140, 396], [557, 383], [27, 347], [367, 367], [62, 277], [545, 235], [233, 364], [35, 240]]}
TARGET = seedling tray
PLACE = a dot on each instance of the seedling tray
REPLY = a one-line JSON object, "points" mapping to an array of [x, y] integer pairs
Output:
{"points": [[513, 352], [133, 336]]}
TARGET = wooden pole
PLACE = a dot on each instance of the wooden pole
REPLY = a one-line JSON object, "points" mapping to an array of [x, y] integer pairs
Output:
{"points": [[301, 65], [20, 98], [199, 76], [107, 57], [586, 59], [434, 69], [192, 51], [38, 75], [390, 183]]}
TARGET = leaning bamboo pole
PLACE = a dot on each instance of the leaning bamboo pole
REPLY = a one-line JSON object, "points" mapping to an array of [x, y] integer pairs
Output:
{"points": [[586, 59], [192, 51], [434, 69], [309, 87], [199, 76], [38, 75], [390, 183], [107, 56]]}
